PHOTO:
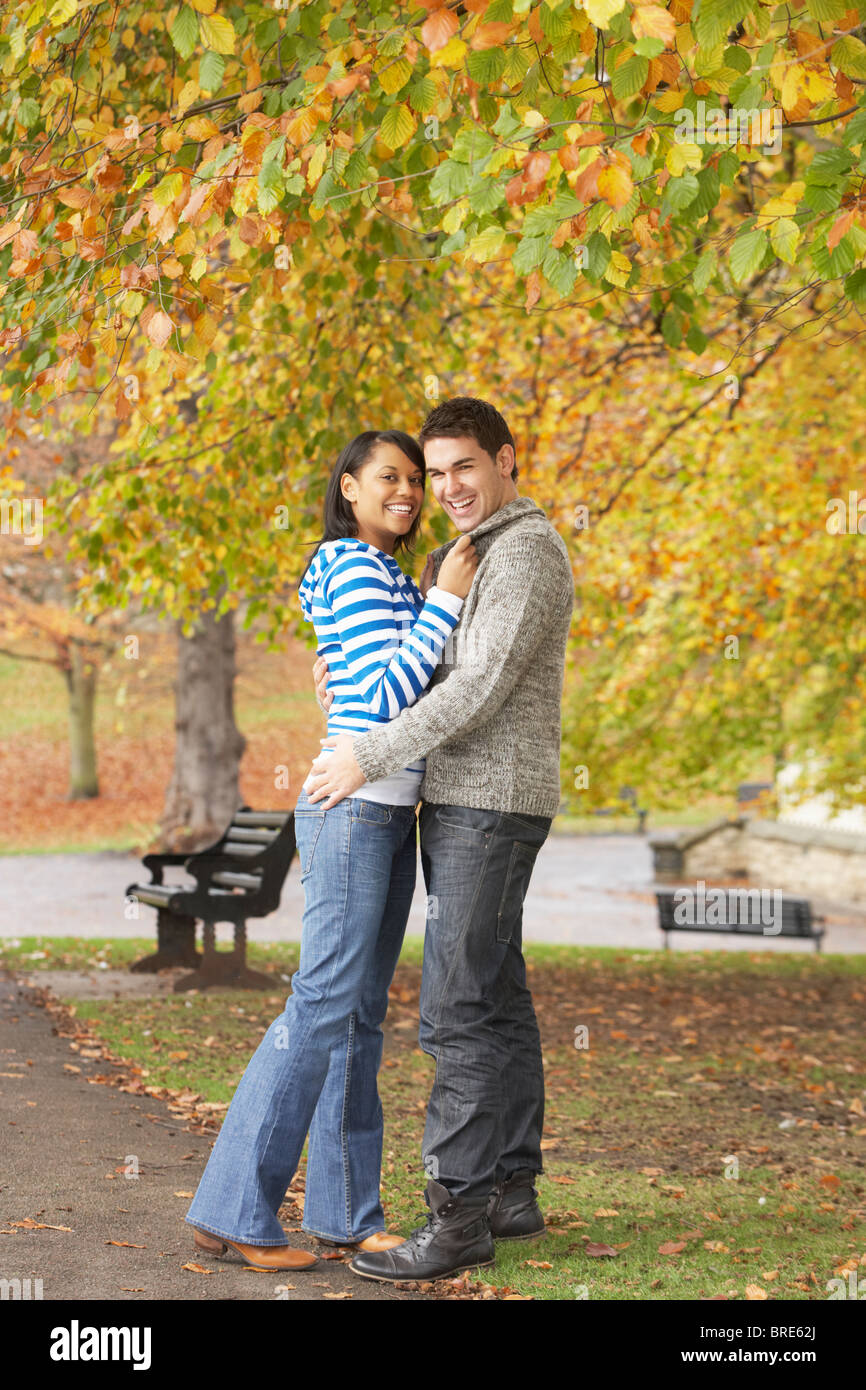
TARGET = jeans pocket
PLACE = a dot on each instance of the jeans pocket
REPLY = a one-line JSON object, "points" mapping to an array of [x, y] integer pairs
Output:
{"points": [[308, 828], [520, 867], [467, 824]]}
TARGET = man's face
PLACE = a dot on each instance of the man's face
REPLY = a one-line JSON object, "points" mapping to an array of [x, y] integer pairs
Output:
{"points": [[466, 481]]}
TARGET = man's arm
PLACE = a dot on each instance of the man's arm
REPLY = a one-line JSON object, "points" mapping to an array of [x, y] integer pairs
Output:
{"points": [[529, 579]]}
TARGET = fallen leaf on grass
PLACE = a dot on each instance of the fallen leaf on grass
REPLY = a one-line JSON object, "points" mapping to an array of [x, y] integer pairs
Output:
{"points": [[594, 1249], [184, 1194], [649, 1172], [689, 1235], [754, 1293], [769, 1275], [538, 1264], [67, 1066], [606, 1211], [565, 1182], [717, 1247], [829, 1180], [129, 1245], [344, 1294], [337, 1255], [124, 1289], [672, 1247], [196, 1269]]}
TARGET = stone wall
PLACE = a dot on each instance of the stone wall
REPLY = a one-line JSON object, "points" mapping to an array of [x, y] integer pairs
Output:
{"points": [[808, 860]]}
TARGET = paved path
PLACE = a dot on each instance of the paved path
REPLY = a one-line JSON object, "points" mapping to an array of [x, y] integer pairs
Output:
{"points": [[64, 1139], [586, 890]]}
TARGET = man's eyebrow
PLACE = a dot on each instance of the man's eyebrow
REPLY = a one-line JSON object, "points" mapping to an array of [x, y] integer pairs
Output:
{"points": [[434, 468]]}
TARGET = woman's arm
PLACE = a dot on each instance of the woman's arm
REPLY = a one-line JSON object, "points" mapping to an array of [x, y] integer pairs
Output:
{"points": [[390, 663]]}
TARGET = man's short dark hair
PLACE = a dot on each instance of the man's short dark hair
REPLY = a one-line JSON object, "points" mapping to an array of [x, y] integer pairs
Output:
{"points": [[467, 417]]}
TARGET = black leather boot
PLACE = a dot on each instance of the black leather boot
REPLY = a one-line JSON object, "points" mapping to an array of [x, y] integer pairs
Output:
{"points": [[513, 1212], [455, 1237]]}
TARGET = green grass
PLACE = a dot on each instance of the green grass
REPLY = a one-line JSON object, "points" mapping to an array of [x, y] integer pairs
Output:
{"points": [[695, 1058]]}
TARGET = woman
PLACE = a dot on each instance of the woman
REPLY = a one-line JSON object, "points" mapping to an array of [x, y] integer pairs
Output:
{"points": [[315, 1069]]}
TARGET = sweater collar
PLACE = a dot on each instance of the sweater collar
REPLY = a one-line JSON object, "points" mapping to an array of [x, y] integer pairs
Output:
{"points": [[520, 506]]}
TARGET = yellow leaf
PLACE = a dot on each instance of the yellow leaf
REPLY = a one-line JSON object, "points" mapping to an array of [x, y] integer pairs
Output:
{"points": [[669, 101], [615, 185], [316, 165], [682, 156], [202, 128], [302, 126], [651, 21], [451, 56], [203, 6], [618, 267], [188, 94], [218, 33], [601, 12]]}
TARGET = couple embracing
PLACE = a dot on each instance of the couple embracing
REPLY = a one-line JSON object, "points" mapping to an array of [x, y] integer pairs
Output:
{"points": [[448, 694]]}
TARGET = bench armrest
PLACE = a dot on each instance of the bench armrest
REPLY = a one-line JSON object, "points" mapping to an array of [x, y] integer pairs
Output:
{"points": [[157, 862], [204, 866]]}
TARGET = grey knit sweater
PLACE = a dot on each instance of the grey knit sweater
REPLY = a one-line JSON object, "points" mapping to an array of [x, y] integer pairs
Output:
{"points": [[489, 724]]}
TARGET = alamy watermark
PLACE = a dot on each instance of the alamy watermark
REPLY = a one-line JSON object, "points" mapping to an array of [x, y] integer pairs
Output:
{"points": [[739, 124]]}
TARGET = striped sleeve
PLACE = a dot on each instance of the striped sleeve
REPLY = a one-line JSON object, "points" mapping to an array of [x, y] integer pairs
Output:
{"points": [[389, 660]]}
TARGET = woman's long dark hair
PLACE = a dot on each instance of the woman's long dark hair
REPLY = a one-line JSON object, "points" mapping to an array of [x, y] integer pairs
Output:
{"points": [[339, 516]]}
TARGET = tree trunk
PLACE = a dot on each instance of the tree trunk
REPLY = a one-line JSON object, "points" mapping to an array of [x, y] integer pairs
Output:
{"points": [[205, 787], [81, 676]]}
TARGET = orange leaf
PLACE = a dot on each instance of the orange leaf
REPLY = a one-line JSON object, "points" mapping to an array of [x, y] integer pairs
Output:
{"points": [[672, 1247], [438, 28], [159, 328], [594, 1249], [839, 228], [491, 35], [615, 187]]}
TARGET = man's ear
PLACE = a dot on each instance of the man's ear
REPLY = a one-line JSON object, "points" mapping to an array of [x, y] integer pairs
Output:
{"points": [[505, 460]]}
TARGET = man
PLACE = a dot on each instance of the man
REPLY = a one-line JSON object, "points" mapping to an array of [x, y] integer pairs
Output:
{"points": [[489, 726]]}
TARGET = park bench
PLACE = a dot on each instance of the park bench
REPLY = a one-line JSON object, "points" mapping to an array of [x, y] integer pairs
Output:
{"points": [[238, 877], [798, 920]]}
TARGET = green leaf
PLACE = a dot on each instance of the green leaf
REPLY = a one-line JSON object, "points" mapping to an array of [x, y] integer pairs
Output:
{"points": [[168, 189], [397, 127], [831, 264], [705, 269], [597, 255], [530, 253], [849, 55], [271, 186], [423, 95], [559, 270], [747, 253], [629, 77], [824, 10], [855, 287], [28, 112], [486, 66], [716, 19], [184, 31], [785, 238], [649, 47], [210, 71]]}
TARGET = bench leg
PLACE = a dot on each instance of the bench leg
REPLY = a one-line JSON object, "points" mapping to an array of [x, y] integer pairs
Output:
{"points": [[175, 944], [228, 968]]}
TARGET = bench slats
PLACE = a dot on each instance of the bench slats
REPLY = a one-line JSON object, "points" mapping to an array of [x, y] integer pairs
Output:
{"points": [[227, 879]]}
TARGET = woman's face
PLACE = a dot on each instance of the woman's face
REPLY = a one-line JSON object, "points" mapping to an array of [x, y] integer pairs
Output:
{"points": [[386, 496]]}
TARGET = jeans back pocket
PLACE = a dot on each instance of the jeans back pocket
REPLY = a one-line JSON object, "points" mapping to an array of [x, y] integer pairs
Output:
{"points": [[509, 917]]}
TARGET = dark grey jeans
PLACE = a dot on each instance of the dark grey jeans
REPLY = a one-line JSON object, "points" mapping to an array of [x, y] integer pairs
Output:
{"points": [[487, 1106]]}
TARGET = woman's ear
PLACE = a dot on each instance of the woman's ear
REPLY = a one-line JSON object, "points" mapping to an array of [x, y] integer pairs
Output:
{"points": [[348, 488]]}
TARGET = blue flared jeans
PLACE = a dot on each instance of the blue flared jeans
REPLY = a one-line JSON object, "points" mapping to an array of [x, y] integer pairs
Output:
{"points": [[315, 1069]]}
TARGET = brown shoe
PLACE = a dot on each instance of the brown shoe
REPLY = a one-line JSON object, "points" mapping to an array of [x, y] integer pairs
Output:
{"points": [[379, 1240], [266, 1257]]}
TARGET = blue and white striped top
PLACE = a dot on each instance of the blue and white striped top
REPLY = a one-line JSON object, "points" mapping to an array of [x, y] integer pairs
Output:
{"points": [[382, 641]]}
